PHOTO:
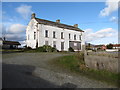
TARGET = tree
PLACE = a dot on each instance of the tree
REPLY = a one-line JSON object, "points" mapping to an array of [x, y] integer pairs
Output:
{"points": [[88, 47], [110, 46]]}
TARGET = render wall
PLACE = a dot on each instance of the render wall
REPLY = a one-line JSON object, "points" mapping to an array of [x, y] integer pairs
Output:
{"points": [[58, 39], [102, 61], [33, 26]]}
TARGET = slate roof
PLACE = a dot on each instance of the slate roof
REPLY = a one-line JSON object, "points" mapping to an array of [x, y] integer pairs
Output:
{"points": [[11, 43], [98, 45], [116, 45], [60, 25]]}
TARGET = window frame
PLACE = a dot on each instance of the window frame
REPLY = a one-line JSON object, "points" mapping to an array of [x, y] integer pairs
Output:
{"points": [[74, 36], [54, 44], [62, 35], [69, 36], [28, 37], [62, 46], [80, 37], [46, 33], [54, 34], [34, 35], [47, 42]]}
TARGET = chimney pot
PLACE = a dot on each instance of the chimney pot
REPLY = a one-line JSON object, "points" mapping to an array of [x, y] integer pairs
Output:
{"points": [[33, 15], [76, 25], [58, 21]]}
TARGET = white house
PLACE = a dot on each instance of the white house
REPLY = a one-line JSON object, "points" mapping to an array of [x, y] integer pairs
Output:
{"points": [[1, 42], [41, 32]]}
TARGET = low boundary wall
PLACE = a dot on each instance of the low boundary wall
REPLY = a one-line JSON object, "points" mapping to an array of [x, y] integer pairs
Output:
{"points": [[102, 60]]}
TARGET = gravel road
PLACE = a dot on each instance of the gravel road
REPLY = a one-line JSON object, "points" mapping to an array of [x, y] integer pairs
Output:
{"points": [[33, 70]]}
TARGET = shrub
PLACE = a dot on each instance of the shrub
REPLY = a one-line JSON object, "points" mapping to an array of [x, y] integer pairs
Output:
{"points": [[27, 48], [71, 49], [46, 48], [54, 49], [41, 49], [109, 46]]}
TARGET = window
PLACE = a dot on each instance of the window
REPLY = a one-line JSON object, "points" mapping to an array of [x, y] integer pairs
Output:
{"points": [[34, 35], [46, 33], [61, 35], [46, 43], [80, 37], [69, 36], [28, 37], [54, 44], [37, 25], [75, 44], [53, 34], [74, 37], [62, 46]]}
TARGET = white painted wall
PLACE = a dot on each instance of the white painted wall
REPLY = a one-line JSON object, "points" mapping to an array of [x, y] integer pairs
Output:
{"points": [[31, 28], [111, 50], [1, 42], [30, 34]]}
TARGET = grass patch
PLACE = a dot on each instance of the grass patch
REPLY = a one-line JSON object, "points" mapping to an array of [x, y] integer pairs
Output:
{"points": [[75, 63]]}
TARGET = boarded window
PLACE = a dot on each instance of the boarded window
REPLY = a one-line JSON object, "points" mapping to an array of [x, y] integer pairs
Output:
{"points": [[46, 33]]}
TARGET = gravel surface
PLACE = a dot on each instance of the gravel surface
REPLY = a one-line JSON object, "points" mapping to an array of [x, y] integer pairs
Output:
{"points": [[32, 70]]}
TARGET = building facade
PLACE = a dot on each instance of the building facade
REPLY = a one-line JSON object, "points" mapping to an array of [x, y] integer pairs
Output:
{"points": [[41, 32]]}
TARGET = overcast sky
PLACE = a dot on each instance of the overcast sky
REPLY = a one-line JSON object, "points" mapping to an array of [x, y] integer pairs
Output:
{"points": [[99, 20]]}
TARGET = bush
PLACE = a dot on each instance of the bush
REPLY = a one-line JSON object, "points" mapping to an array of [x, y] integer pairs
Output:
{"points": [[54, 49], [71, 49], [27, 48], [41, 49], [46, 48], [109, 46]]}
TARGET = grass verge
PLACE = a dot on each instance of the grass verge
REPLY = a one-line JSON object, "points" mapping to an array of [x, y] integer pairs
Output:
{"points": [[76, 64]]}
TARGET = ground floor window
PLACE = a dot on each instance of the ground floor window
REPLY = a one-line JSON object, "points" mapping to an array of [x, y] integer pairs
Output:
{"points": [[54, 44], [75, 45], [46, 43], [62, 46]]}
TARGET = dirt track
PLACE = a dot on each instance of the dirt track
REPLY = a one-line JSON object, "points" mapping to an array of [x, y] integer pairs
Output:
{"points": [[32, 70]]}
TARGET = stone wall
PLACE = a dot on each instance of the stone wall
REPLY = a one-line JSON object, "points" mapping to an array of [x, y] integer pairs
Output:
{"points": [[102, 60]]}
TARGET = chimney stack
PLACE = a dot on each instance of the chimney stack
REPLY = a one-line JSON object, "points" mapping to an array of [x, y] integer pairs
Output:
{"points": [[33, 15], [58, 21], [76, 25]]}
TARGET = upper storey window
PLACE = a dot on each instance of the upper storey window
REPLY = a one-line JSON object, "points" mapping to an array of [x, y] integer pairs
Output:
{"points": [[54, 34], [61, 35], [80, 37], [46, 33], [34, 35], [69, 36], [74, 37]]}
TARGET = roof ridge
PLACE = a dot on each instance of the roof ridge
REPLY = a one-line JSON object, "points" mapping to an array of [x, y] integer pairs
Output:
{"points": [[61, 25]]}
